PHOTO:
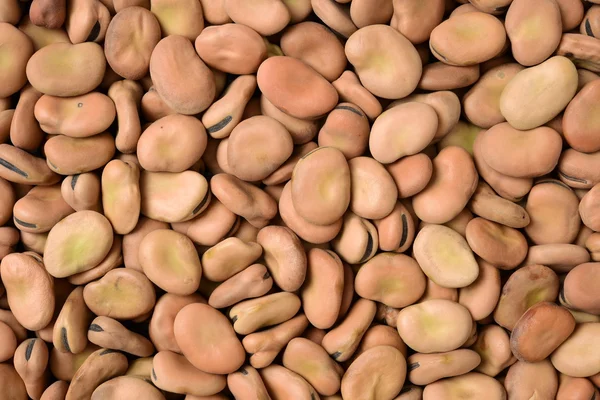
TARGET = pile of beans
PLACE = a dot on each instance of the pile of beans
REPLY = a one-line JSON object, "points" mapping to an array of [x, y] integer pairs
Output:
{"points": [[299, 199]]}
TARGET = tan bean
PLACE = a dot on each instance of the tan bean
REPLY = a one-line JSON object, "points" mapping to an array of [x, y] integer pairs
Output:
{"points": [[70, 328], [458, 40], [86, 21], [56, 391], [9, 342], [445, 256], [525, 380], [487, 204], [159, 190], [226, 113], [408, 182], [9, 238], [428, 368], [180, 77], [454, 172], [85, 154], [377, 373], [434, 326], [10, 12], [121, 199], [501, 246], [419, 125], [28, 287], [64, 365], [265, 345], [481, 297], [40, 209], [42, 36], [19, 166], [250, 315], [582, 344], [25, 132], [284, 256], [111, 334], [101, 366], [393, 49], [17, 48], [396, 232], [373, 190], [212, 225], [580, 49], [522, 103], [161, 324], [229, 257], [380, 335], [312, 362], [123, 293], [244, 199], [347, 129], [559, 257], [11, 381], [336, 16], [342, 341], [472, 385], [575, 388], [253, 281], [246, 384], [208, 340], [123, 386], [435, 291], [80, 116], [282, 383], [440, 76], [493, 345], [31, 363], [64, 69], [416, 20], [127, 95], [392, 279], [7, 201], [463, 135], [552, 198], [534, 29], [351, 90], [526, 287], [6, 117], [577, 292], [306, 101], [578, 169]]}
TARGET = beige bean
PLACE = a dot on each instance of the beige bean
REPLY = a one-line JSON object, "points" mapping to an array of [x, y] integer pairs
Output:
{"points": [[9, 238], [209, 227], [525, 106], [56, 391], [581, 343], [380, 335], [578, 169], [428, 368], [416, 20], [229, 257], [77, 243], [577, 292], [481, 297], [435, 291], [266, 17], [493, 345], [7, 201], [396, 232], [372, 187], [559, 257], [487, 204], [9, 342], [351, 90], [10, 12], [121, 199], [394, 50], [301, 130], [434, 326], [526, 287], [358, 241], [408, 182], [123, 293], [111, 334], [31, 363], [265, 345], [86, 21], [336, 16], [25, 132], [445, 256], [11, 381], [440, 76], [347, 129], [208, 340], [569, 387], [183, 18]]}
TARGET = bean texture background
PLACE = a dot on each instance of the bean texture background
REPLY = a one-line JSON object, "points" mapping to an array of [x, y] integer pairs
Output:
{"points": [[299, 199]]}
